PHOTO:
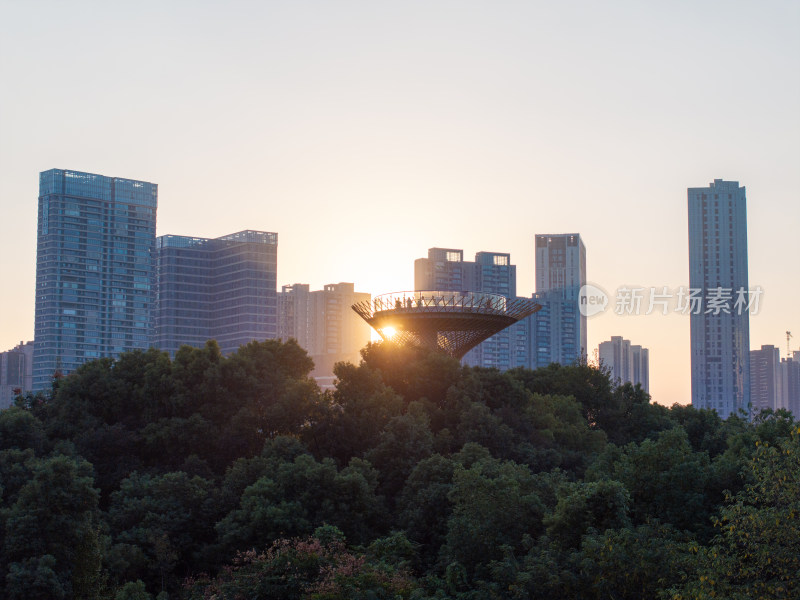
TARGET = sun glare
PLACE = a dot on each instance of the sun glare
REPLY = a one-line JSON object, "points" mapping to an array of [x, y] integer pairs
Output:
{"points": [[388, 332]]}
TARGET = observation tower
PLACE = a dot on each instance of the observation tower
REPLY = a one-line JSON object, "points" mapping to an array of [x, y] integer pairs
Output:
{"points": [[451, 322]]}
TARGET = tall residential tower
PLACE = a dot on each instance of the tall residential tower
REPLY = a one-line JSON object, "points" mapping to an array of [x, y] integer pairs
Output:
{"points": [[626, 362], [324, 323], [492, 272], [94, 269], [765, 379], [720, 331], [559, 329]]}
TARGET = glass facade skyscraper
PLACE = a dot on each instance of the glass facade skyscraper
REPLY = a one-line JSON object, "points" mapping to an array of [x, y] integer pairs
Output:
{"points": [[222, 288], [94, 269], [720, 339], [556, 330]]}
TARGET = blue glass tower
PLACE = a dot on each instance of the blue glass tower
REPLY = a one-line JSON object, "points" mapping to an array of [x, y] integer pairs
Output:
{"points": [[223, 289], [555, 330], [94, 269]]}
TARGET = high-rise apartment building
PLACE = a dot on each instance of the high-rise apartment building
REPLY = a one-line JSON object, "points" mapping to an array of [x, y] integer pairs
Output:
{"points": [[323, 322], [790, 384], [509, 348], [554, 330], [720, 331], [627, 363], [560, 263], [94, 269], [615, 355], [765, 379], [559, 329], [492, 272], [296, 314], [16, 372], [641, 367], [445, 269], [221, 288]]}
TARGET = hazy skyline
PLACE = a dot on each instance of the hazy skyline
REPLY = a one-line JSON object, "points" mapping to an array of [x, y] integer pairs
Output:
{"points": [[364, 133]]}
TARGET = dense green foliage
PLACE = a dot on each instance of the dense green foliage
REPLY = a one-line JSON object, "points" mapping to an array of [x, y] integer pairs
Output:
{"points": [[237, 477]]}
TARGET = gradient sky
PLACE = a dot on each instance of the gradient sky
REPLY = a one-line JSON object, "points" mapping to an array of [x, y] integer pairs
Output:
{"points": [[365, 132]]}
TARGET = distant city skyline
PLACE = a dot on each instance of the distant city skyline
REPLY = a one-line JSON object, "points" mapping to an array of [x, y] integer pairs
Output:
{"points": [[365, 136]]}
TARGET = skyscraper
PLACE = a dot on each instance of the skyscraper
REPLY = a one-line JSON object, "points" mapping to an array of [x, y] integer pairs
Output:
{"points": [[720, 332], [615, 355], [295, 314], [790, 384], [641, 367], [324, 323], [765, 379], [446, 270], [507, 349], [222, 288], [94, 269], [555, 330], [559, 329]]}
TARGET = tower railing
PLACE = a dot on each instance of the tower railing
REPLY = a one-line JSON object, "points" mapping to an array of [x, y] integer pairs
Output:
{"points": [[440, 301]]}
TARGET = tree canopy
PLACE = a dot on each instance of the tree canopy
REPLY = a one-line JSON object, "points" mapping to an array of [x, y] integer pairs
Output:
{"points": [[229, 477]]}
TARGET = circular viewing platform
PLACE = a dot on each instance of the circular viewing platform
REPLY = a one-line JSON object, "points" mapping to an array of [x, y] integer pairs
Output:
{"points": [[452, 322]]}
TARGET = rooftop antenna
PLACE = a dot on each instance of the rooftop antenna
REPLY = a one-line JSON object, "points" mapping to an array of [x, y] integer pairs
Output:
{"points": [[788, 337]]}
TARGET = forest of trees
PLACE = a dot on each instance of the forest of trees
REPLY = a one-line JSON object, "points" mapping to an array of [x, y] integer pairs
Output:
{"points": [[210, 477]]}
